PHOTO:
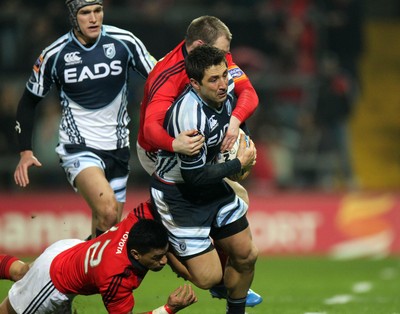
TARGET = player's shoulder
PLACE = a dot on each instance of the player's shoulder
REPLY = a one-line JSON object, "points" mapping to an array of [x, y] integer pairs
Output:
{"points": [[172, 59], [112, 30], [58, 44], [119, 33], [188, 105]]}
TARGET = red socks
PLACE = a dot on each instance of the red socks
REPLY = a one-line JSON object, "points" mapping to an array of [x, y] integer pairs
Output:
{"points": [[5, 264]]}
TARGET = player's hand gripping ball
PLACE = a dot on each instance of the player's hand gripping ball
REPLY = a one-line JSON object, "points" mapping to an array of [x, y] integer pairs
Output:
{"points": [[231, 154]]}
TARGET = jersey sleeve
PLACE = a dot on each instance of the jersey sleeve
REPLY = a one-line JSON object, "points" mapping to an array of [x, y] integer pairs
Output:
{"points": [[25, 119], [154, 132], [40, 80], [247, 99], [187, 115], [117, 297], [143, 61]]}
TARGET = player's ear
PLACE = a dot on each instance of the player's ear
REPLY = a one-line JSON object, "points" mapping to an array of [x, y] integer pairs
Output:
{"points": [[197, 43], [195, 84], [135, 254]]}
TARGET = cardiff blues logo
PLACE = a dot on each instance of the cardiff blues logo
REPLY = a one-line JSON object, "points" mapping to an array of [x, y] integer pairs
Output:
{"points": [[109, 50], [182, 246], [213, 122]]}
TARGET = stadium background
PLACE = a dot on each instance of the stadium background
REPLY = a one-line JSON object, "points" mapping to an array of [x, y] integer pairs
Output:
{"points": [[303, 202]]}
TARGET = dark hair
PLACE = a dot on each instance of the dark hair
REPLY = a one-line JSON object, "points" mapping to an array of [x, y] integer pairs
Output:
{"points": [[201, 58], [147, 234], [207, 29]]}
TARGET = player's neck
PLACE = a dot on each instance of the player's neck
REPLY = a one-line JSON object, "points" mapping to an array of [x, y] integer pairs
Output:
{"points": [[84, 40]]}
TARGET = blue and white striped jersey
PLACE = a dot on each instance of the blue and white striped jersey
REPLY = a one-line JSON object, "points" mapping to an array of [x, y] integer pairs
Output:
{"points": [[92, 84], [189, 112]]}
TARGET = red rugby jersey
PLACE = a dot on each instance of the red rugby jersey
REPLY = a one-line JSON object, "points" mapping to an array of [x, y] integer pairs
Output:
{"points": [[166, 82], [102, 266]]}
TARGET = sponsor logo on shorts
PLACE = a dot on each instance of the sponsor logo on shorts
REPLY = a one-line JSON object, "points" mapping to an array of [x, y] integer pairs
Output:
{"points": [[182, 246]]}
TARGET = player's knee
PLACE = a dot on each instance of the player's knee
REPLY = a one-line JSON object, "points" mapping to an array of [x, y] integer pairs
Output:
{"points": [[107, 214], [206, 277], [18, 270], [206, 282], [246, 259]]}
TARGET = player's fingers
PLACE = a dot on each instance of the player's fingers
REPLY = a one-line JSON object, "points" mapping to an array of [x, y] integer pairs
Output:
{"points": [[188, 294], [20, 178], [192, 298], [37, 163], [192, 133], [25, 177], [16, 177], [178, 291]]}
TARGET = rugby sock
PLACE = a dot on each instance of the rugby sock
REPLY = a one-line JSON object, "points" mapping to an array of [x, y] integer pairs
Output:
{"points": [[5, 264], [235, 306]]}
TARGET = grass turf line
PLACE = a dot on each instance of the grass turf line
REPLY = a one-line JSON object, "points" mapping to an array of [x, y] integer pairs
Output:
{"points": [[289, 285]]}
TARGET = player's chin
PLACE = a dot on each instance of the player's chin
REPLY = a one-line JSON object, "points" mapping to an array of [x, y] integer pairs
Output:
{"points": [[222, 97], [157, 268]]}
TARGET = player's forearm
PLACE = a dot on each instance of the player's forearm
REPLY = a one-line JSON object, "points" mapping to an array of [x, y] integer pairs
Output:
{"points": [[247, 101], [210, 174], [25, 119], [153, 130], [158, 137]]}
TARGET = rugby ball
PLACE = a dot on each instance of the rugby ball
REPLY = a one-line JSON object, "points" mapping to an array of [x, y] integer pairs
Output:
{"points": [[231, 154]]}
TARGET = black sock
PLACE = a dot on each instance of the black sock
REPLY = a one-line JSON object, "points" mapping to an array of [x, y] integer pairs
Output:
{"points": [[235, 306]]}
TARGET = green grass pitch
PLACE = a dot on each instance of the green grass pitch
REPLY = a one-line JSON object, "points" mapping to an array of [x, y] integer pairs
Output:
{"points": [[289, 285]]}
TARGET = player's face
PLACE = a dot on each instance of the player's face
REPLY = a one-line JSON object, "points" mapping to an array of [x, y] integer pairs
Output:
{"points": [[154, 260], [223, 44], [214, 86], [90, 19]]}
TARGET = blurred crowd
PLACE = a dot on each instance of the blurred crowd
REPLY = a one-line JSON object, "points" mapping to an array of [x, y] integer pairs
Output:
{"points": [[301, 55]]}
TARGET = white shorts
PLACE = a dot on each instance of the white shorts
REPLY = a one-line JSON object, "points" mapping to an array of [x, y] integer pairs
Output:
{"points": [[147, 159], [193, 216], [74, 163], [35, 292]]}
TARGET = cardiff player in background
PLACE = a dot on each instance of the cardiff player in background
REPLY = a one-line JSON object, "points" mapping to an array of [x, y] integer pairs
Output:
{"points": [[189, 192], [166, 82], [114, 264], [89, 66]]}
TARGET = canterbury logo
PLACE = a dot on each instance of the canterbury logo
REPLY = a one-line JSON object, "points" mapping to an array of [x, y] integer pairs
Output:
{"points": [[18, 128], [72, 57]]}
